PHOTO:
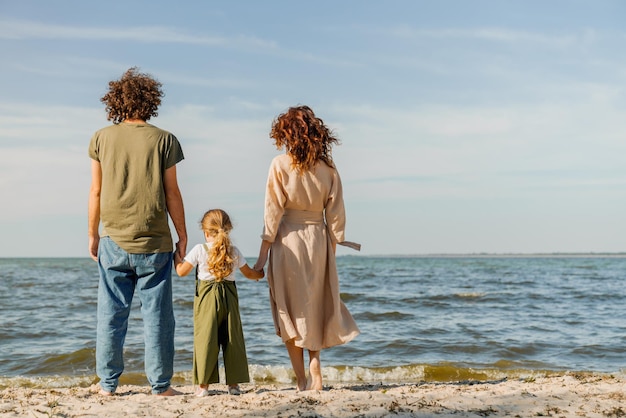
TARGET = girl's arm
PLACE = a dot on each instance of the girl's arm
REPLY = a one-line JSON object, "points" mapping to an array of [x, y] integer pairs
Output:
{"points": [[182, 267], [250, 273]]}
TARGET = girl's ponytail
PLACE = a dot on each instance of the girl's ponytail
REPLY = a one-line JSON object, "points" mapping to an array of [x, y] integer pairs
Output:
{"points": [[216, 223]]}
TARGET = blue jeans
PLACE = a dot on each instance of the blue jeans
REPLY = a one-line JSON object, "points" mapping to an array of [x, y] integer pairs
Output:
{"points": [[150, 275]]}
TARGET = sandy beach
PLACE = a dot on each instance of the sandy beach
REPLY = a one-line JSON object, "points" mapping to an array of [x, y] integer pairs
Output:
{"points": [[565, 395]]}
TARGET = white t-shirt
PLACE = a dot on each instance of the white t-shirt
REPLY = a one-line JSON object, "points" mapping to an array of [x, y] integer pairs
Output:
{"points": [[198, 257]]}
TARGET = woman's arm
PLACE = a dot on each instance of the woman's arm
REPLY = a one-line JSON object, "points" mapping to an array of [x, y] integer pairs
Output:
{"points": [[263, 254]]}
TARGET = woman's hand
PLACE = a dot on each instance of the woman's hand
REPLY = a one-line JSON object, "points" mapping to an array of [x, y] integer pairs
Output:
{"points": [[263, 254]]}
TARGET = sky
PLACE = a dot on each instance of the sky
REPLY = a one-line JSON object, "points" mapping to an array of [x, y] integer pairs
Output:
{"points": [[465, 126]]}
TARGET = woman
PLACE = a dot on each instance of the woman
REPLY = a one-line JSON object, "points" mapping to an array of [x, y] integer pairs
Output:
{"points": [[304, 221]]}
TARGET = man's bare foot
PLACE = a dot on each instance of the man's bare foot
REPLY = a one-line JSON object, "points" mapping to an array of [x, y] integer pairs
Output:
{"points": [[97, 389], [170, 392]]}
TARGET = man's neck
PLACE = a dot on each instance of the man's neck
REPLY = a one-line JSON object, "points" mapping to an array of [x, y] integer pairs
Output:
{"points": [[137, 121]]}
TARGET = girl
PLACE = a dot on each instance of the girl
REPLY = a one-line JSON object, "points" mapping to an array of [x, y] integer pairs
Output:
{"points": [[216, 305]]}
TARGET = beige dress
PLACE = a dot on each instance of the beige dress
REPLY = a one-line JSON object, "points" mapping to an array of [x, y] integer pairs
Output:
{"points": [[304, 215]]}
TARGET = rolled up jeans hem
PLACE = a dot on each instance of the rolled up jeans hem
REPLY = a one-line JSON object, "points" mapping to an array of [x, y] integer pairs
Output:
{"points": [[159, 391]]}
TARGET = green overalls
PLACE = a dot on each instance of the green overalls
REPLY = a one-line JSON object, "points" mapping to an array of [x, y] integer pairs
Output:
{"points": [[216, 323]]}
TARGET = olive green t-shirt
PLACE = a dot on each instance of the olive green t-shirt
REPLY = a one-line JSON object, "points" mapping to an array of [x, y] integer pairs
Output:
{"points": [[133, 158]]}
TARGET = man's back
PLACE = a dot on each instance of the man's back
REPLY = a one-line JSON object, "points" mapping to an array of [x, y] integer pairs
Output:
{"points": [[133, 157]]}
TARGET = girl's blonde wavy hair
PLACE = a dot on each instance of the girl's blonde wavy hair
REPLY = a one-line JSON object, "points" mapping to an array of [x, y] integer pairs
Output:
{"points": [[216, 224]]}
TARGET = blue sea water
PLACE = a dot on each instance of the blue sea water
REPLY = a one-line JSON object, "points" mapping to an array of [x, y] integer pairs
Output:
{"points": [[421, 319]]}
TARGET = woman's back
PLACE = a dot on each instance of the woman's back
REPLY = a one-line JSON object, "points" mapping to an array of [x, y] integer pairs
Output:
{"points": [[315, 190], [309, 190]]}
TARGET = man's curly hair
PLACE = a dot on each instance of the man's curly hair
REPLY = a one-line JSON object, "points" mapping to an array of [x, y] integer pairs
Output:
{"points": [[134, 96], [304, 136]]}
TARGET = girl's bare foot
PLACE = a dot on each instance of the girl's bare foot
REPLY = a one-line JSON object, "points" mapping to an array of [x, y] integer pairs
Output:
{"points": [[202, 391]]}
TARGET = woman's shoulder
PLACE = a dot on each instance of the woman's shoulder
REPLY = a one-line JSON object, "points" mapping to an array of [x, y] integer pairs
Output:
{"points": [[281, 165], [283, 160]]}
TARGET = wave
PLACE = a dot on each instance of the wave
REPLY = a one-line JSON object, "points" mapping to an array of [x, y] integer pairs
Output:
{"points": [[280, 375]]}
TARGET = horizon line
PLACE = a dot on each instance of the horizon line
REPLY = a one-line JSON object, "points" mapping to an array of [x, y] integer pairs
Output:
{"points": [[424, 255]]}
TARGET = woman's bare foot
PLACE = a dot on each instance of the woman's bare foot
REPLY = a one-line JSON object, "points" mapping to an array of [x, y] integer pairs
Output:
{"points": [[296, 355], [315, 383], [103, 392], [170, 392], [301, 386], [315, 371]]}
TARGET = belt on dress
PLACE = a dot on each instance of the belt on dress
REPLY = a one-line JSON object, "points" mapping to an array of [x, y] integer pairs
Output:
{"points": [[313, 217], [303, 216]]}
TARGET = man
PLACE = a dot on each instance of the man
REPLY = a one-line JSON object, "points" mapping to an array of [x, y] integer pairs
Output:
{"points": [[133, 189]]}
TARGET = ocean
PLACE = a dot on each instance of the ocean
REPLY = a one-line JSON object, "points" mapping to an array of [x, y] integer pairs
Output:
{"points": [[422, 318]]}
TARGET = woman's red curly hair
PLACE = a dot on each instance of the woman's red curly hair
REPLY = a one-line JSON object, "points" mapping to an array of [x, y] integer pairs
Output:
{"points": [[304, 136]]}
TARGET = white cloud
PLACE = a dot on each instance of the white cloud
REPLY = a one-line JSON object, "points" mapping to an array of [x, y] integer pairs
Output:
{"points": [[43, 181], [23, 29], [492, 34], [46, 125], [472, 151]]}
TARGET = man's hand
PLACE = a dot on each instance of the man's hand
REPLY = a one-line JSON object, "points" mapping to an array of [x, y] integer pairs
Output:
{"points": [[181, 248], [94, 242]]}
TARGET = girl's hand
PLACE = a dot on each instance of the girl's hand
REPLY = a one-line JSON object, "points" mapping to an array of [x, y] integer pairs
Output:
{"points": [[250, 273]]}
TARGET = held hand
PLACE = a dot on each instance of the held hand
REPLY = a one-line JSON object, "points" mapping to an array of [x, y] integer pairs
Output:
{"points": [[263, 255], [181, 248], [260, 262], [262, 274]]}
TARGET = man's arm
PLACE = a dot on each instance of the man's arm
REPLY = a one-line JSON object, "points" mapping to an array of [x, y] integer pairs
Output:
{"points": [[94, 209], [174, 201]]}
